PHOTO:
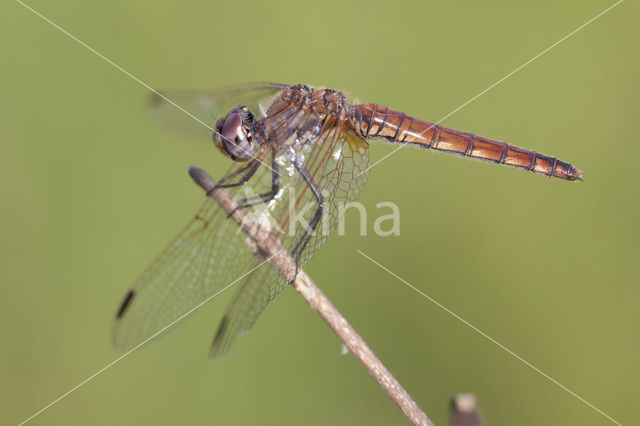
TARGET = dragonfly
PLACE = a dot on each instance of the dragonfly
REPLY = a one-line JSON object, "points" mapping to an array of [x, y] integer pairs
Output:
{"points": [[299, 155]]}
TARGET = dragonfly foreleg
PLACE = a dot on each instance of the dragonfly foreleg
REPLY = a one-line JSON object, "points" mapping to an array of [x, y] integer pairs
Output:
{"points": [[250, 169], [265, 197]]}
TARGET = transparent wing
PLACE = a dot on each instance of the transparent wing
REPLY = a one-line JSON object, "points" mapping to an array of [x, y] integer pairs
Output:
{"points": [[246, 306], [337, 162], [208, 105], [209, 254]]}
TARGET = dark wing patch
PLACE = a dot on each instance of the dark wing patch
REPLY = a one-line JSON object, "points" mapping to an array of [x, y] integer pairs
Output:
{"points": [[125, 303], [208, 255]]}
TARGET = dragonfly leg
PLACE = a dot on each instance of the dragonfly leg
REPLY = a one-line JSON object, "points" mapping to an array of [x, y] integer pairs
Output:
{"points": [[297, 250], [265, 197], [250, 170]]}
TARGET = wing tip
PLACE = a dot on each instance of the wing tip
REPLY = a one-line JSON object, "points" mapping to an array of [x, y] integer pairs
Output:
{"points": [[156, 98], [217, 348], [125, 304]]}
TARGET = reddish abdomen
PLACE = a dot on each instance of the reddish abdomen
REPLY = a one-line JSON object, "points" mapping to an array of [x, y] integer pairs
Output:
{"points": [[379, 122]]}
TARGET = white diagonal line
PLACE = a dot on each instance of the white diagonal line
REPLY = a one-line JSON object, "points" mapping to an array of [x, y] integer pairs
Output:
{"points": [[100, 55], [492, 340], [499, 81], [113, 63], [115, 361]]}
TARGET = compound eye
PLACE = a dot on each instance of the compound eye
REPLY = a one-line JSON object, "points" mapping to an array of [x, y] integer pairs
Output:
{"points": [[234, 137], [219, 125]]}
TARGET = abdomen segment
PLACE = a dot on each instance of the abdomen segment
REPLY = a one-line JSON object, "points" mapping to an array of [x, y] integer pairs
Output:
{"points": [[379, 122]]}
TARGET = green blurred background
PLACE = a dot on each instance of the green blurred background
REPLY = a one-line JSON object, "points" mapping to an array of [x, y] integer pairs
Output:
{"points": [[92, 189]]}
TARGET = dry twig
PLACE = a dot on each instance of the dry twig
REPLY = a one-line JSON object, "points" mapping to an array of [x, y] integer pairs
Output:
{"points": [[464, 411], [269, 247]]}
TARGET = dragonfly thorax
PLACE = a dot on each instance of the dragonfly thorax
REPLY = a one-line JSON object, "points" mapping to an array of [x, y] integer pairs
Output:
{"points": [[234, 134]]}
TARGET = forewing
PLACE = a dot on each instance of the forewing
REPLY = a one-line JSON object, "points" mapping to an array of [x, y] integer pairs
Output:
{"points": [[208, 105], [337, 160], [209, 254]]}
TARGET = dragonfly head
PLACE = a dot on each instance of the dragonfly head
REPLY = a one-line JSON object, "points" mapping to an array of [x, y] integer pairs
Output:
{"points": [[234, 135]]}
